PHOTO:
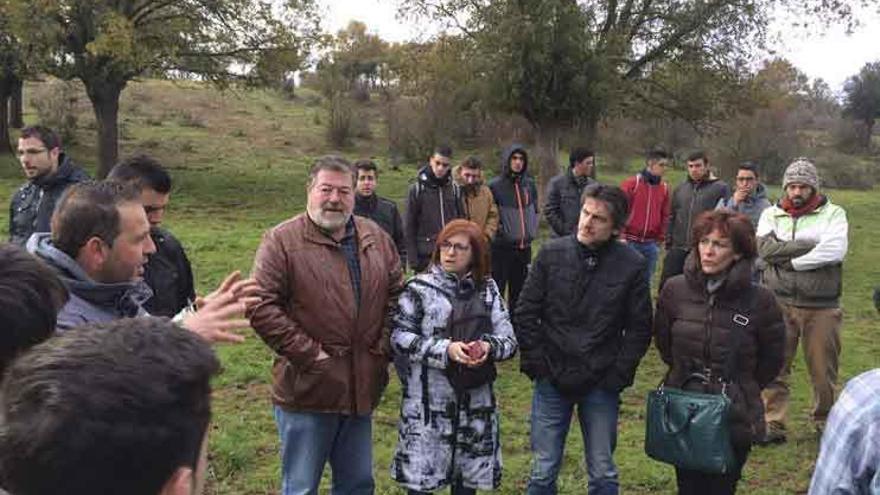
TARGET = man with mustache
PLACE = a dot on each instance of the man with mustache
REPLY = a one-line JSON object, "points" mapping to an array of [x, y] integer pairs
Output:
{"points": [[327, 280], [802, 241], [49, 172], [479, 204]]}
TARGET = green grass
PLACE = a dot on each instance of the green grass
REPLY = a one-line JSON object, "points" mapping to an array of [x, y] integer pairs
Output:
{"points": [[239, 161]]}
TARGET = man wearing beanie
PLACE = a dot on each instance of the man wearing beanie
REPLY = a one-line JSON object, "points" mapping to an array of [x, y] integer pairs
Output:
{"points": [[802, 241], [563, 206]]}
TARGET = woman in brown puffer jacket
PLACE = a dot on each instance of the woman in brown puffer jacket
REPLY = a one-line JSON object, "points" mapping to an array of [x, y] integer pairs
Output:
{"points": [[713, 321]]}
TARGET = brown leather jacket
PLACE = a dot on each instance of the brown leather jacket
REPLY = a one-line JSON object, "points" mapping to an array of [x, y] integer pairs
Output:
{"points": [[308, 304], [689, 324]]}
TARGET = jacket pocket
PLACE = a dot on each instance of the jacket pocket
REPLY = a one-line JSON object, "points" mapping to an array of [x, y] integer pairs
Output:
{"points": [[324, 384]]}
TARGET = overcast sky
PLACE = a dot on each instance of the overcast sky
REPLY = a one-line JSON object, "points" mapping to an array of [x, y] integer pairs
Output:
{"points": [[833, 56]]}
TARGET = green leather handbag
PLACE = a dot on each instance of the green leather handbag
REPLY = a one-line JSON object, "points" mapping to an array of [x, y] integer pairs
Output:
{"points": [[690, 430]]}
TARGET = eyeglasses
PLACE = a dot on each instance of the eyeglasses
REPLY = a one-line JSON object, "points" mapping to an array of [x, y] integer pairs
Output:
{"points": [[31, 151], [745, 179], [459, 248]]}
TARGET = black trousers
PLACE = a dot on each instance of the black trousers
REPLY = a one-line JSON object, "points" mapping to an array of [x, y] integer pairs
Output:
{"points": [[455, 489], [700, 483], [673, 264], [509, 269]]}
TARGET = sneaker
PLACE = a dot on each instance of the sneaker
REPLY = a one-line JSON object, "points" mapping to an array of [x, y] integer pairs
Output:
{"points": [[775, 435]]}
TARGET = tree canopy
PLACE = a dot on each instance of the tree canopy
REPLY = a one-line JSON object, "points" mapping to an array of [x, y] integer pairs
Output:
{"points": [[862, 100]]}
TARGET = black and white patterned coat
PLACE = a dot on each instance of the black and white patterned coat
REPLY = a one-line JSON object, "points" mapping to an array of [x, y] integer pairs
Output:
{"points": [[442, 436]]}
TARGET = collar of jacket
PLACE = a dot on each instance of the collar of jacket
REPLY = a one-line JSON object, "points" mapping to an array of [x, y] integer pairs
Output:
{"points": [[738, 278], [651, 178], [426, 176], [365, 203], [65, 168]]}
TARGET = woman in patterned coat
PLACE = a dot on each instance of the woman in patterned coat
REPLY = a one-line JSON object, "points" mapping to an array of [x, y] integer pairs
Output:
{"points": [[450, 327]]}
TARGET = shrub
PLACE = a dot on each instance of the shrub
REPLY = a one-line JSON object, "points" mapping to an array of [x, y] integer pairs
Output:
{"points": [[56, 104]]}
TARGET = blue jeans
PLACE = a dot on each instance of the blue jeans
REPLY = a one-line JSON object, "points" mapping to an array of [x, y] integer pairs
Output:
{"points": [[650, 250], [308, 440], [551, 417]]}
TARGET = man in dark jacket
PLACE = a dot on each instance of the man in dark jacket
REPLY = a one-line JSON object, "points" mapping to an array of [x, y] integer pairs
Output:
{"points": [[168, 271], [700, 192], [432, 202], [516, 195], [49, 172], [563, 206], [583, 323], [750, 196], [378, 209]]}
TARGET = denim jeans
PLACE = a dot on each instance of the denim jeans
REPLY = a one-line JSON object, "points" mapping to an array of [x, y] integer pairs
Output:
{"points": [[551, 417], [650, 251], [309, 440]]}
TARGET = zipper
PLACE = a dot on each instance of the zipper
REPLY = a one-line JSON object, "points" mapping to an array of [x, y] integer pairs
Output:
{"points": [[648, 217], [522, 216], [707, 345], [793, 233], [442, 213], [687, 234]]}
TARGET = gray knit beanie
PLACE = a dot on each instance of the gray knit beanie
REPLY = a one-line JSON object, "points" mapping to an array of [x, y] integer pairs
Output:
{"points": [[801, 171]]}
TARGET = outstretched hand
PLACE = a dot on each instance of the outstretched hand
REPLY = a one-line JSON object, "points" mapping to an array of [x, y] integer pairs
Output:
{"points": [[222, 311]]}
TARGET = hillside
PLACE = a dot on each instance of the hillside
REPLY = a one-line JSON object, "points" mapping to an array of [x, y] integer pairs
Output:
{"points": [[239, 161]]}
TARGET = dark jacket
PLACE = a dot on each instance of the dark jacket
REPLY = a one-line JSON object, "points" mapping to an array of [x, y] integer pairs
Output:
{"points": [[308, 305], [690, 199], [32, 205], [517, 198], [430, 204], [583, 326], [384, 212], [90, 301], [169, 274], [689, 323], [563, 206]]}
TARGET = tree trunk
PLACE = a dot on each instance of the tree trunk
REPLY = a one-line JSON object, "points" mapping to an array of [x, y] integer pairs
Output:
{"points": [[16, 112], [546, 157], [869, 132], [5, 147], [104, 96]]}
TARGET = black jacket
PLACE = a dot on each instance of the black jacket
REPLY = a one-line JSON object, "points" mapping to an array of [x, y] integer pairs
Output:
{"points": [[430, 205], [384, 212], [584, 324], [32, 205], [563, 207], [517, 198], [690, 199], [169, 274]]}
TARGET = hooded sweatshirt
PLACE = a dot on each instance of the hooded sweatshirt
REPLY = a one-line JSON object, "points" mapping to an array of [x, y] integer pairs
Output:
{"points": [[431, 203], [90, 301], [752, 207], [32, 205], [517, 198]]}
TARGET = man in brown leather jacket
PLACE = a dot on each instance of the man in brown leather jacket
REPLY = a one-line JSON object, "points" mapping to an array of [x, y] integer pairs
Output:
{"points": [[328, 280]]}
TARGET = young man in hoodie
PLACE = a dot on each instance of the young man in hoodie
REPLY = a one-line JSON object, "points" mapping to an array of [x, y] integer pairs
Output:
{"points": [[700, 192], [563, 206], [648, 196], [516, 195], [479, 205], [750, 196], [49, 172], [432, 202]]}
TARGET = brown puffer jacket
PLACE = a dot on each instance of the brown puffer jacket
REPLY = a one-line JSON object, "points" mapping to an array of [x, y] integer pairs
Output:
{"points": [[689, 324], [308, 304]]}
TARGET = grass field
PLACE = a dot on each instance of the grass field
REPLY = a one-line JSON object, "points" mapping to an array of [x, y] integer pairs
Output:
{"points": [[239, 161]]}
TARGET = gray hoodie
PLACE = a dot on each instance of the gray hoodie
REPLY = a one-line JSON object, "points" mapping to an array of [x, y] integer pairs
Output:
{"points": [[90, 301], [751, 207]]}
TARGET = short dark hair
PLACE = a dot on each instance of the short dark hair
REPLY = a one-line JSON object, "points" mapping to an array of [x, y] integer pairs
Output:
{"points": [[443, 150], [331, 163], [90, 209], [30, 297], [614, 197], [578, 155], [698, 155], [657, 154], [750, 166], [472, 162], [730, 224], [366, 166], [49, 137], [481, 265], [143, 170], [108, 408]]}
